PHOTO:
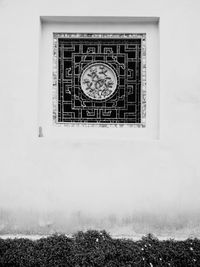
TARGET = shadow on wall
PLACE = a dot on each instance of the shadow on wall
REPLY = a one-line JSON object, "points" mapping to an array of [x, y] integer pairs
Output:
{"points": [[131, 226]]}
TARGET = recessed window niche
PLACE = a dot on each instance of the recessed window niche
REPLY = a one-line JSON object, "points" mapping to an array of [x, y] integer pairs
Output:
{"points": [[101, 72]]}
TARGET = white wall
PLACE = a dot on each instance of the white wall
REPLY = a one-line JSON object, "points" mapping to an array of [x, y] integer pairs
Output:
{"points": [[124, 186]]}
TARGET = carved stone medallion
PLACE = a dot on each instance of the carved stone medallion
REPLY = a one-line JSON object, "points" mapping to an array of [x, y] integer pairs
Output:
{"points": [[98, 81]]}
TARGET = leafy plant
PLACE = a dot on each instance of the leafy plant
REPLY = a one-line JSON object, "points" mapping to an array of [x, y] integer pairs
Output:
{"points": [[97, 248]]}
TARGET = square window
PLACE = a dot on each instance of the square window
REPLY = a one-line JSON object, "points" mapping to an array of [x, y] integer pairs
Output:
{"points": [[99, 79]]}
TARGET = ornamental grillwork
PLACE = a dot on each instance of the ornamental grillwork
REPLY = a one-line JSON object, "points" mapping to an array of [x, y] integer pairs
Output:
{"points": [[99, 79]]}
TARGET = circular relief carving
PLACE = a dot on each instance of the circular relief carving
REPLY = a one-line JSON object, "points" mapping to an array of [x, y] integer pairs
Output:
{"points": [[98, 81]]}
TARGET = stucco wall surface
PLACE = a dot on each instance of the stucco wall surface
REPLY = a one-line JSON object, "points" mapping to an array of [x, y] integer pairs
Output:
{"points": [[125, 186]]}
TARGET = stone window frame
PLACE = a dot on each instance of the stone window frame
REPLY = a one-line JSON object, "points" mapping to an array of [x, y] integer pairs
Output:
{"points": [[142, 36]]}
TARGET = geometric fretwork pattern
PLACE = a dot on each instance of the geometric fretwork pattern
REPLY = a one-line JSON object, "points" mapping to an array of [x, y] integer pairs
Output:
{"points": [[125, 56]]}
